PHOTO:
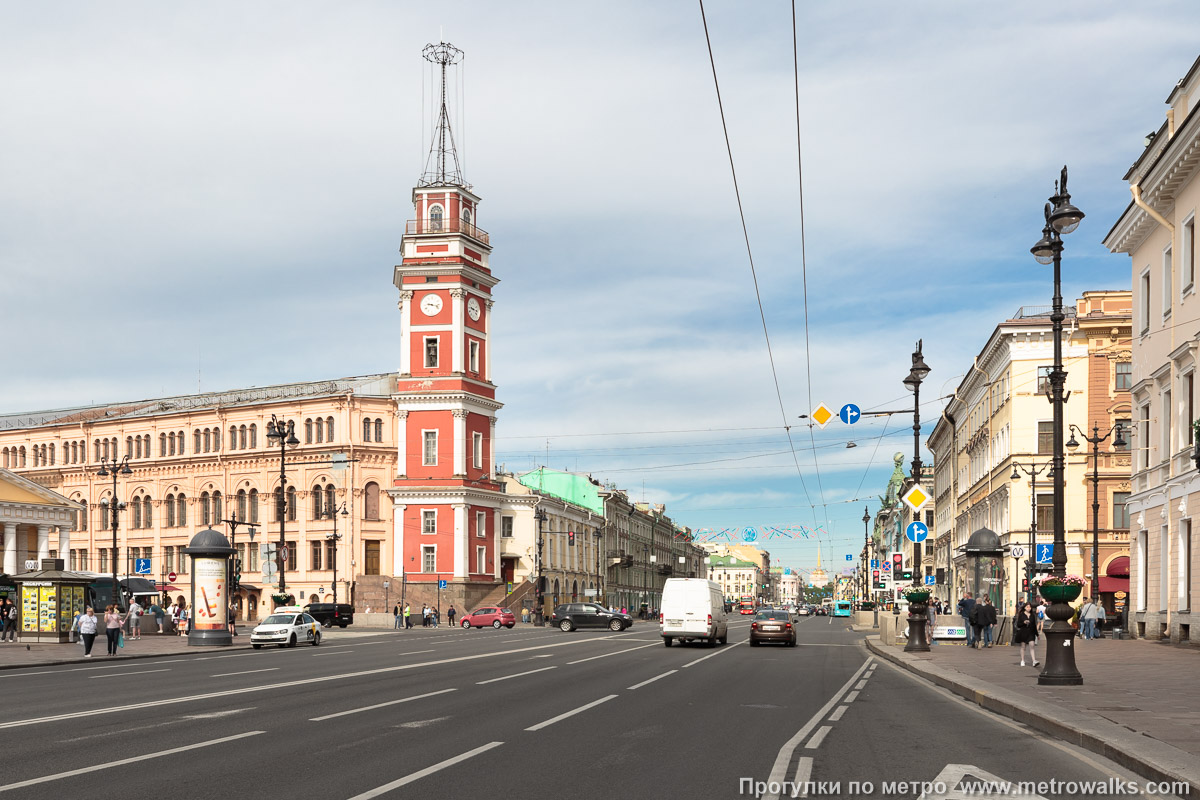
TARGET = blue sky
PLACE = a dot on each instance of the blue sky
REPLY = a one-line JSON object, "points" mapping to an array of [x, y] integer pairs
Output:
{"points": [[213, 196]]}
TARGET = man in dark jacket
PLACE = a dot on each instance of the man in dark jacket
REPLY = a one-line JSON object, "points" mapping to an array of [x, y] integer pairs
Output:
{"points": [[965, 607], [987, 620]]}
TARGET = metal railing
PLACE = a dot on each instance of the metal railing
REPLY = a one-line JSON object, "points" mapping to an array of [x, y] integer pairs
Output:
{"points": [[446, 225]]}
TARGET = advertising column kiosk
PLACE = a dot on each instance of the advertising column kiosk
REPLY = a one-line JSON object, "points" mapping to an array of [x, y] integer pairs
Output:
{"points": [[208, 623]]}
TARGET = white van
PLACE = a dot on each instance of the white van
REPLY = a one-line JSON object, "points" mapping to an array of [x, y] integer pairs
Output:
{"points": [[693, 608]]}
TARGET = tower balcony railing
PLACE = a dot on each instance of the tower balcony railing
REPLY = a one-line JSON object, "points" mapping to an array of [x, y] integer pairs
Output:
{"points": [[442, 226]]}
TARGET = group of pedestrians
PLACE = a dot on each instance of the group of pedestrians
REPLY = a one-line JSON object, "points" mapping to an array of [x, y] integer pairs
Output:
{"points": [[979, 618], [430, 616], [1091, 617], [9, 623]]}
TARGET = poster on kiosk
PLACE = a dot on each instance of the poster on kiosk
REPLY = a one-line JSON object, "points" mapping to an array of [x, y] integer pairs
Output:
{"points": [[208, 623]]}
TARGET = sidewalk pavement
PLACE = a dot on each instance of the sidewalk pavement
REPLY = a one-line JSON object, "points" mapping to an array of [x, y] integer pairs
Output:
{"points": [[15, 655], [1139, 704]]}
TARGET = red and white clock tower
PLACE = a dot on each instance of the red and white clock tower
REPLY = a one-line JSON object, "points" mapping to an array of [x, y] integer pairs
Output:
{"points": [[445, 495]]}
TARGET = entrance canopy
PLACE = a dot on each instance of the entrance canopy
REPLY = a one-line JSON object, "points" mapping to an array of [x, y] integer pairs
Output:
{"points": [[1116, 575]]}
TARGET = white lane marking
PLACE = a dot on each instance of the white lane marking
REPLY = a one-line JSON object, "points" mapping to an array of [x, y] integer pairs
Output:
{"points": [[652, 680], [415, 652], [818, 737], [858, 686], [836, 715], [284, 685], [334, 653], [214, 714], [110, 764], [396, 784], [380, 705], [850, 698], [724, 649], [784, 758], [518, 675], [244, 672], [561, 717], [122, 674], [615, 653], [803, 775]]}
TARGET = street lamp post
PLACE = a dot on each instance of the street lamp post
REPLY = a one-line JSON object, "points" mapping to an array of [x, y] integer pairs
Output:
{"points": [[1061, 217], [235, 564], [114, 468], [867, 587], [539, 616], [335, 538], [1094, 440], [1032, 470], [916, 611], [285, 435]]}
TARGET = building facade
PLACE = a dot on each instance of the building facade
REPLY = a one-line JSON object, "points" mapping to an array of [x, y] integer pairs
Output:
{"points": [[1158, 232], [998, 428]]}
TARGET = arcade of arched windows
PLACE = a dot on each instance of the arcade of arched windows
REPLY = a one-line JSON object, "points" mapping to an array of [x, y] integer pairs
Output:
{"points": [[324, 501], [207, 440], [318, 430], [243, 437], [211, 512], [376, 425]]}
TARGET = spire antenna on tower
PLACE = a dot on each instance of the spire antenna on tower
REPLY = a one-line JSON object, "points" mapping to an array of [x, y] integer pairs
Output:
{"points": [[442, 167]]}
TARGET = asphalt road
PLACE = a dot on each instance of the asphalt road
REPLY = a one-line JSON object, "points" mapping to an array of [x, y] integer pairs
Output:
{"points": [[531, 712]]}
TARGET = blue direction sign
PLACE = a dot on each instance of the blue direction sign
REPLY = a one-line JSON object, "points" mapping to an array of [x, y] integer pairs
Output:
{"points": [[874, 563], [916, 532], [849, 557], [930, 580], [1045, 554], [441, 584], [141, 566], [849, 414]]}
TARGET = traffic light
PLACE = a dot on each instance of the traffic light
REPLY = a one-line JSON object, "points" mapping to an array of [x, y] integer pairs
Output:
{"points": [[571, 538], [1025, 585], [237, 573], [897, 562], [905, 575]]}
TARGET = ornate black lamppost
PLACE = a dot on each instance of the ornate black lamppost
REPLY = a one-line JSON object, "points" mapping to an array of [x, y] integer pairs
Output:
{"points": [[1061, 217], [916, 611], [1094, 440], [539, 616], [335, 537], [868, 589], [114, 468], [234, 579], [1032, 470], [283, 434]]}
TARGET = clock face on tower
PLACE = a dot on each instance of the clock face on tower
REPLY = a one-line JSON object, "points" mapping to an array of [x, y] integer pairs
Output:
{"points": [[473, 309], [431, 304]]}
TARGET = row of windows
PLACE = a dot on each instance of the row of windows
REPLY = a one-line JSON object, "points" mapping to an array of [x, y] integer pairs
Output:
{"points": [[1187, 278], [140, 510], [431, 354], [429, 453], [429, 563], [205, 440]]}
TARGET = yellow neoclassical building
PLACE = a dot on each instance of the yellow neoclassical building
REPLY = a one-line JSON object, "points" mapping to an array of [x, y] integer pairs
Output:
{"points": [[197, 460]]}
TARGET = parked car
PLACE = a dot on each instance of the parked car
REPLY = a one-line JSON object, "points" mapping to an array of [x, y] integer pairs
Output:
{"points": [[772, 626], [489, 616], [693, 609], [286, 628], [570, 616], [330, 614]]}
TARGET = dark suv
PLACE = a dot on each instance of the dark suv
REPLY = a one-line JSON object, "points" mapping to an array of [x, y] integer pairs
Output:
{"points": [[330, 614], [570, 616]]}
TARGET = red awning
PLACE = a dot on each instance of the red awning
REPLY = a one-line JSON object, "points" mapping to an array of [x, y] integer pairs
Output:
{"points": [[1110, 584], [1118, 567]]}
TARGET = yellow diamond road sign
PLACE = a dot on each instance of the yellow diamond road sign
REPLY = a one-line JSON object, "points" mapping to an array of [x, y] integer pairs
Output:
{"points": [[916, 498], [822, 415]]}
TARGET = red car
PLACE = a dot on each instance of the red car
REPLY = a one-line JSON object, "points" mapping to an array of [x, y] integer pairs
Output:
{"points": [[489, 615]]}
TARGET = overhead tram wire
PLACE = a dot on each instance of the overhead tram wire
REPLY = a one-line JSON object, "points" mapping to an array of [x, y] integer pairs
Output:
{"points": [[804, 253], [750, 255]]}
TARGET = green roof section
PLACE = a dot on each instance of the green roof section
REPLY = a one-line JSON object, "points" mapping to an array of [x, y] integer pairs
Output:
{"points": [[732, 562], [579, 490]]}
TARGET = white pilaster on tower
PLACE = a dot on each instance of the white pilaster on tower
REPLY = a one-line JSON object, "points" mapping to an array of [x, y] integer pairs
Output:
{"points": [[398, 565], [405, 335], [456, 315], [460, 540], [402, 443], [460, 442]]}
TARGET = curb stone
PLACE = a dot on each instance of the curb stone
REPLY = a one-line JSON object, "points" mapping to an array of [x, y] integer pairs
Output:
{"points": [[1144, 755]]}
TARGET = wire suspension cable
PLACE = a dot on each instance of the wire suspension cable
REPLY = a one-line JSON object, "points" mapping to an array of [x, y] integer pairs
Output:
{"points": [[749, 254]]}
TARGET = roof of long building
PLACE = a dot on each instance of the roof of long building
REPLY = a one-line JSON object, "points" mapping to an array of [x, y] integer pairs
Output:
{"points": [[378, 385]]}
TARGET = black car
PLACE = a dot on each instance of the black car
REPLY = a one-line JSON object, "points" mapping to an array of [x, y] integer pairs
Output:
{"points": [[570, 616], [330, 614]]}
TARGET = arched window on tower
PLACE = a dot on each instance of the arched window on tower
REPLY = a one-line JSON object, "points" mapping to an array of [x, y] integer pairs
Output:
{"points": [[320, 431], [216, 440], [129, 446], [196, 448], [308, 431], [371, 501], [467, 220], [435, 218], [253, 436], [52, 455], [243, 436], [179, 436], [233, 437], [379, 430], [329, 429], [162, 444]]}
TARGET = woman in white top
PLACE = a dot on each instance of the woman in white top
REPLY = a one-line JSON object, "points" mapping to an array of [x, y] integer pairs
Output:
{"points": [[87, 631]]}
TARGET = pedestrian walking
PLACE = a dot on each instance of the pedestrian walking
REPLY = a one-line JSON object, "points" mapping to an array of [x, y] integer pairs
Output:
{"points": [[396, 618], [965, 606], [976, 625], [12, 622], [87, 630], [407, 616], [233, 619], [1087, 619], [524, 613], [1101, 618], [133, 618], [434, 614], [931, 613], [181, 619], [987, 620], [157, 611], [112, 628], [6, 609], [1025, 628], [450, 615]]}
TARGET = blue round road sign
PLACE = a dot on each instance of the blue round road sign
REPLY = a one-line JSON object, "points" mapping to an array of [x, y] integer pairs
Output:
{"points": [[849, 414], [916, 532]]}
